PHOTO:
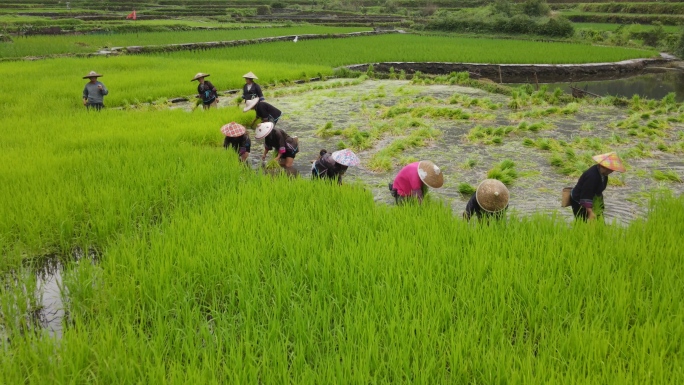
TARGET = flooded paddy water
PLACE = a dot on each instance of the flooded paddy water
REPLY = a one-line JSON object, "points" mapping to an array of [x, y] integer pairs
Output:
{"points": [[347, 103]]}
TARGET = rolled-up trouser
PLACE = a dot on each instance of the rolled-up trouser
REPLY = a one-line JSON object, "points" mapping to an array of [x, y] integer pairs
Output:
{"points": [[212, 104], [95, 106]]}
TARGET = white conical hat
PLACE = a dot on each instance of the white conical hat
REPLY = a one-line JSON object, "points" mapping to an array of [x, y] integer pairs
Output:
{"points": [[430, 174], [92, 74], [199, 75], [263, 129], [250, 75], [492, 195], [250, 104]]}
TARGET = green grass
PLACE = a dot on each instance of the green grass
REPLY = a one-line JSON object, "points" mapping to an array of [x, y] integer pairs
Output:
{"points": [[406, 47], [46, 45], [632, 27], [667, 175], [504, 171]]}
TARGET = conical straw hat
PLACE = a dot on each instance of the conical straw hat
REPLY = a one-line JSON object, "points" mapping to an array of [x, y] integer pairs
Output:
{"points": [[346, 157], [233, 130], [610, 161], [199, 75], [92, 74], [430, 174], [263, 129], [250, 104], [492, 195], [250, 75]]}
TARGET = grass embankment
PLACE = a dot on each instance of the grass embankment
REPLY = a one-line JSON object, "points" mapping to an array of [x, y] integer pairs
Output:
{"points": [[338, 52], [47, 45], [632, 27]]}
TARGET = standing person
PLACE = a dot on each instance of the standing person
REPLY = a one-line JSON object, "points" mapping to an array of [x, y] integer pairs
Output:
{"points": [[413, 181], [264, 111], [94, 92], [333, 166], [286, 148], [238, 138], [490, 200], [206, 91], [251, 90], [592, 183]]}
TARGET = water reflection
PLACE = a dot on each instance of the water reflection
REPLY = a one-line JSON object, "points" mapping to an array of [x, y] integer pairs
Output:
{"points": [[650, 85]]}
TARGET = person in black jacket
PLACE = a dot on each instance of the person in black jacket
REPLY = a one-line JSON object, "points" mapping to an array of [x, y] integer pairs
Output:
{"points": [[592, 183], [333, 166], [206, 91], [286, 147], [251, 90], [237, 137], [264, 111]]}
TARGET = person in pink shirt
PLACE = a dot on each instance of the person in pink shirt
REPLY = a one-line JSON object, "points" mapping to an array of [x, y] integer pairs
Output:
{"points": [[413, 181]]}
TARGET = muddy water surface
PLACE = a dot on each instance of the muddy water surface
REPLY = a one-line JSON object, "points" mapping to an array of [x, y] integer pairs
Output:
{"points": [[539, 186]]}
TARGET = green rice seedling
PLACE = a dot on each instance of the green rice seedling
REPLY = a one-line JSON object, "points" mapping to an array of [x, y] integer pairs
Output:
{"points": [[667, 175], [587, 127], [466, 188], [407, 160], [468, 164], [528, 142], [380, 162], [341, 145], [504, 171]]}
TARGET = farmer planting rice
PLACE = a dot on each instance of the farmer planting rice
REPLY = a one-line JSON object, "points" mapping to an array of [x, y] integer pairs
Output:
{"points": [[206, 91], [490, 200], [413, 181], [333, 166], [264, 111], [286, 147], [592, 183], [238, 138], [94, 92], [251, 90]]}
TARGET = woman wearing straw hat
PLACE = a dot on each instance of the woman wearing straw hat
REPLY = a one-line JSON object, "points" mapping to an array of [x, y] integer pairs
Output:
{"points": [[489, 201], [333, 166], [592, 183], [251, 90], [238, 138], [413, 181], [264, 111], [286, 148], [94, 92], [206, 91]]}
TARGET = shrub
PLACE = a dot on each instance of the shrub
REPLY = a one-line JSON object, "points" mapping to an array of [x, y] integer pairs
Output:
{"points": [[536, 8], [679, 49], [263, 10]]}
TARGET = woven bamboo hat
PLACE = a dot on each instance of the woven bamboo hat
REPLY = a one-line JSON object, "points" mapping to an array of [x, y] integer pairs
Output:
{"points": [[92, 74], [610, 161], [263, 129], [250, 75], [233, 130], [492, 195], [346, 157], [250, 104], [199, 76], [430, 174]]}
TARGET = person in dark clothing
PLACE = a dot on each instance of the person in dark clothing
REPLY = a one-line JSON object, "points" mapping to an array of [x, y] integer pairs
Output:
{"points": [[94, 92], [251, 90], [237, 138], [489, 201], [592, 183], [264, 111], [206, 91], [286, 147], [333, 166]]}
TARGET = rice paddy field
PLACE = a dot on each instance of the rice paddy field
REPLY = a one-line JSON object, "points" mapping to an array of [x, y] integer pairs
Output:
{"points": [[180, 265]]}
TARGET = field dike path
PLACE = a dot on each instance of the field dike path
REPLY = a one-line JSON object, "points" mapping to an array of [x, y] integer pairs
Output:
{"points": [[514, 73]]}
